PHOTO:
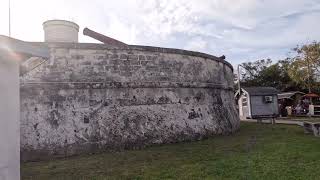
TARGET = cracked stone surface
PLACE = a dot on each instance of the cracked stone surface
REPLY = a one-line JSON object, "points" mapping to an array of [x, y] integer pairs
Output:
{"points": [[91, 98]]}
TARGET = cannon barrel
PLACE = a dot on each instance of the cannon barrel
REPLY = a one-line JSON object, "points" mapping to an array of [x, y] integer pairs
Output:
{"points": [[103, 38]]}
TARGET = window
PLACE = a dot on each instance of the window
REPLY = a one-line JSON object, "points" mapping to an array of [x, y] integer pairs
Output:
{"points": [[244, 101], [268, 99]]}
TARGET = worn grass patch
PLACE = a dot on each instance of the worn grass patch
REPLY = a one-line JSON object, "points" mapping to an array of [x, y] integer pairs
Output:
{"points": [[257, 151]]}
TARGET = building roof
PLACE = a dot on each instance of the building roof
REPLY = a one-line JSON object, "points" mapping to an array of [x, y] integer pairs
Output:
{"points": [[9, 45], [261, 90], [288, 95]]}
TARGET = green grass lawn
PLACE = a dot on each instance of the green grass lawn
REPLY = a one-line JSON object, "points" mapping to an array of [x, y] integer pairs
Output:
{"points": [[257, 151]]}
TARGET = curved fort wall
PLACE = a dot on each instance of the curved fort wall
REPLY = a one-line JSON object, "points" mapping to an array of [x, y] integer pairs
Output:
{"points": [[92, 97]]}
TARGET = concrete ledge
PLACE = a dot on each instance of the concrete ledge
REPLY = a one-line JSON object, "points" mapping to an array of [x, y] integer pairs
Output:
{"points": [[95, 46], [113, 84]]}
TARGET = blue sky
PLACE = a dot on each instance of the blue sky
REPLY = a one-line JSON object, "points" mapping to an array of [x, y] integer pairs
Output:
{"points": [[243, 30]]}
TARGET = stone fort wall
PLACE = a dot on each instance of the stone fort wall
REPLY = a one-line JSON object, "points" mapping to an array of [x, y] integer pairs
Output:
{"points": [[92, 97]]}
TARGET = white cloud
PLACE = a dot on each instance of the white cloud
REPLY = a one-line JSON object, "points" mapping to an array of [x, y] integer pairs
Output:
{"points": [[242, 29], [196, 44]]}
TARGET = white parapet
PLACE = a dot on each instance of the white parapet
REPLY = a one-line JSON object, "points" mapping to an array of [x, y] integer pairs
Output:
{"points": [[60, 31], [9, 119]]}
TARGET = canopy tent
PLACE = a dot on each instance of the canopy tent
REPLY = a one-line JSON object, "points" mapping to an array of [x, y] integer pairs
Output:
{"points": [[289, 95], [311, 95]]}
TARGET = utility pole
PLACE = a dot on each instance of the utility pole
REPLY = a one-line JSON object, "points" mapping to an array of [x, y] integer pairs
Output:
{"points": [[9, 19], [238, 70], [309, 74]]}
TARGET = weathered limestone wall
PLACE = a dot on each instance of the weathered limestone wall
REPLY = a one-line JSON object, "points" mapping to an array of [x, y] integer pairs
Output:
{"points": [[91, 97]]}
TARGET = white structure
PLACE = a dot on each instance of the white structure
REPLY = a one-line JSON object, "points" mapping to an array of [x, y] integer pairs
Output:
{"points": [[12, 52], [9, 119], [258, 102], [60, 31]]}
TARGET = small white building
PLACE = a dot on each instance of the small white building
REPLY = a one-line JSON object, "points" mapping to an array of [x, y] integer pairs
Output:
{"points": [[258, 102]]}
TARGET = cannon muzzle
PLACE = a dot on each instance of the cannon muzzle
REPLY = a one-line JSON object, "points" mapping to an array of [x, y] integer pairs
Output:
{"points": [[103, 38]]}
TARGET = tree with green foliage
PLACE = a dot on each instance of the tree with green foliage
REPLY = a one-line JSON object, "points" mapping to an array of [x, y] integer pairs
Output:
{"points": [[299, 73], [264, 73], [252, 70], [305, 66]]}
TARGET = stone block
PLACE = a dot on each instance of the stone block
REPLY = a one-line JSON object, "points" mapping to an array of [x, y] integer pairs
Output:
{"points": [[144, 63], [142, 57], [132, 57], [124, 56], [125, 68], [114, 56], [152, 68], [115, 62], [135, 62]]}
